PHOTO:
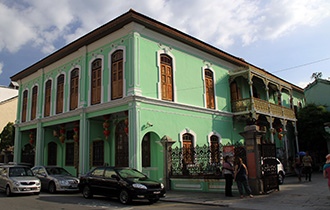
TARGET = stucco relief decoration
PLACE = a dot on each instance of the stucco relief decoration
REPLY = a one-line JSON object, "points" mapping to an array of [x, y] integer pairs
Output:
{"points": [[106, 126], [62, 134]]}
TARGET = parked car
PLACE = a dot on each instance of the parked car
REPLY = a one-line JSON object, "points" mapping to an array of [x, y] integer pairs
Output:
{"points": [[280, 171], [18, 179], [54, 179], [280, 167], [124, 183]]}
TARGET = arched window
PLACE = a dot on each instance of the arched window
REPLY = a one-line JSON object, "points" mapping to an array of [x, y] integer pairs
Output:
{"points": [[188, 148], [166, 77], [24, 107], [60, 94], [96, 81], [34, 102], [52, 154], [48, 96], [215, 152], [74, 88], [117, 75], [209, 88], [146, 151]]}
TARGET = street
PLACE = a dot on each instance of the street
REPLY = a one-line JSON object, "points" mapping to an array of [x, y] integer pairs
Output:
{"points": [[292, 195]]}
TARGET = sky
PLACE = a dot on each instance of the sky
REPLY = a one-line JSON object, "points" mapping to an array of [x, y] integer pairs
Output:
{"points": [[288, 38]]}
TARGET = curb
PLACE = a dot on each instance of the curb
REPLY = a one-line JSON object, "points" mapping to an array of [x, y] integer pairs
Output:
{"points": [[199, 203]]}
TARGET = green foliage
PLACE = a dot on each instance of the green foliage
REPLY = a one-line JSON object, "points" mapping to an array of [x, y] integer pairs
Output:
{"points": [[7, 136], [311, 133]]}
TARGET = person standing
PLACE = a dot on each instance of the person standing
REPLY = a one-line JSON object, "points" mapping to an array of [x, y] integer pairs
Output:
{"points": [[228, 171], [297, 167], [241, 177], [307, 161], [326, 170]]}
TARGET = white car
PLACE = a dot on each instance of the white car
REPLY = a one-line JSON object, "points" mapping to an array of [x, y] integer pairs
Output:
{"points": [[280, 167], [18, 179]]}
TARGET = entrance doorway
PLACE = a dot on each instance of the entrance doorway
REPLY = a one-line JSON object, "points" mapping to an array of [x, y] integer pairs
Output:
{"points": [[121, 145]]}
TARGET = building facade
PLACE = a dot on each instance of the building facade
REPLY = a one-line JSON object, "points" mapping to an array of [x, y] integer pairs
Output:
{"points": [[116, 94]]}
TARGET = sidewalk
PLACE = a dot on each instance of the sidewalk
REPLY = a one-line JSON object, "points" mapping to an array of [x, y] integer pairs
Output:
{"points": [[292, 195]]}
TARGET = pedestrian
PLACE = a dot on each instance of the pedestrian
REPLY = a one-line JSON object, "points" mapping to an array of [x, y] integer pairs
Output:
{"points": [[241, 177], [228, 171], [307, 161], [298, 167], [326, 170]]}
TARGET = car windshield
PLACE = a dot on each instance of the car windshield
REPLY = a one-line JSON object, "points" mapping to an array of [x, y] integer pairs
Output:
{"points": [[129, 173], [20, 171], [57, 171]]}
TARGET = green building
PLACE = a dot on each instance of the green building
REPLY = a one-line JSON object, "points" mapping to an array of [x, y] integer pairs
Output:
{"points": [[118, 94]]}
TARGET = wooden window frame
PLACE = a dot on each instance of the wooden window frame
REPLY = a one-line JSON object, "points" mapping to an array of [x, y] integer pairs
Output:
{"points": [[74, 88], [188, 148], [24, 105], [166, 72], [69, 153], [215, 149], [48, 98], [117, 74], [50, 160], [209, 89], [96, 81], [34, 102], [60, 94], [98, 153]]}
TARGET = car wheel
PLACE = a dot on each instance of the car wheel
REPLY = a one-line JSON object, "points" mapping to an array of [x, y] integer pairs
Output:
{"points": [[124, 197], [280, 178], [36, 193], [87, 193], [52, 187], [8, 191], [153, 200]]}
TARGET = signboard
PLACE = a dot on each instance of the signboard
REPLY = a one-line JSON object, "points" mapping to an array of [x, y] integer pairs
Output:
{"points": [[228, 151]]}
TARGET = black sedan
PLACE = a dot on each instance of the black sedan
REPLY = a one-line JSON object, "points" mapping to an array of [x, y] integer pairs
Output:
{"points": [[124, 183]]}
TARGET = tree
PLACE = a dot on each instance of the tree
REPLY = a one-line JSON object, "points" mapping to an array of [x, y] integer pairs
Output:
{"points": [[311, 133], [7, 136]]}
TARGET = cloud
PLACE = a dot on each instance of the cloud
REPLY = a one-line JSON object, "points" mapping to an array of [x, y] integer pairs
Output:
{"points": [[1, 67], [222, 23]]}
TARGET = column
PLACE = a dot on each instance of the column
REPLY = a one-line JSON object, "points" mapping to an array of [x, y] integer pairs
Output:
{"points": [[134, 136], [39, 155], [18, 145], [84, 153]]}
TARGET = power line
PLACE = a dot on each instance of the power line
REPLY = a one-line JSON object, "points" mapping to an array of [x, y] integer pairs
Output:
{"points": [[306, 64]]}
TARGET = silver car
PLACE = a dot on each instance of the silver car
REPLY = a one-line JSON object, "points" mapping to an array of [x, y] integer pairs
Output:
{"points": [[55, 179], [18, 179]]}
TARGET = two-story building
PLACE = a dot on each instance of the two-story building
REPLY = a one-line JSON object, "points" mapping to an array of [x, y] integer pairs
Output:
{"points": [[116, 94]]}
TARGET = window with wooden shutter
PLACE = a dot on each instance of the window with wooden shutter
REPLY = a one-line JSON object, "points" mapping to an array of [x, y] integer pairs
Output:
{"points": [[24, 107], [74, 88], [52, 154], [146, 151], [209, 87], [34, 102], [69, 154], [188, 148], [96, 81], [60, 94], [117, 75], [215, 152], [48, 96], [166, 77], [234, 91], [98, 153]]}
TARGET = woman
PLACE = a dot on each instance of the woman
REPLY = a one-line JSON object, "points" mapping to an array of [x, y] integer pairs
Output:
{"points": [[298, 167], [228, 171], [326, 170], [241, 177]]}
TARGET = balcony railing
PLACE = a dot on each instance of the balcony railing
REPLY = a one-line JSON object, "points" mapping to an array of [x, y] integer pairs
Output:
{"points": [[262, 106]]}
